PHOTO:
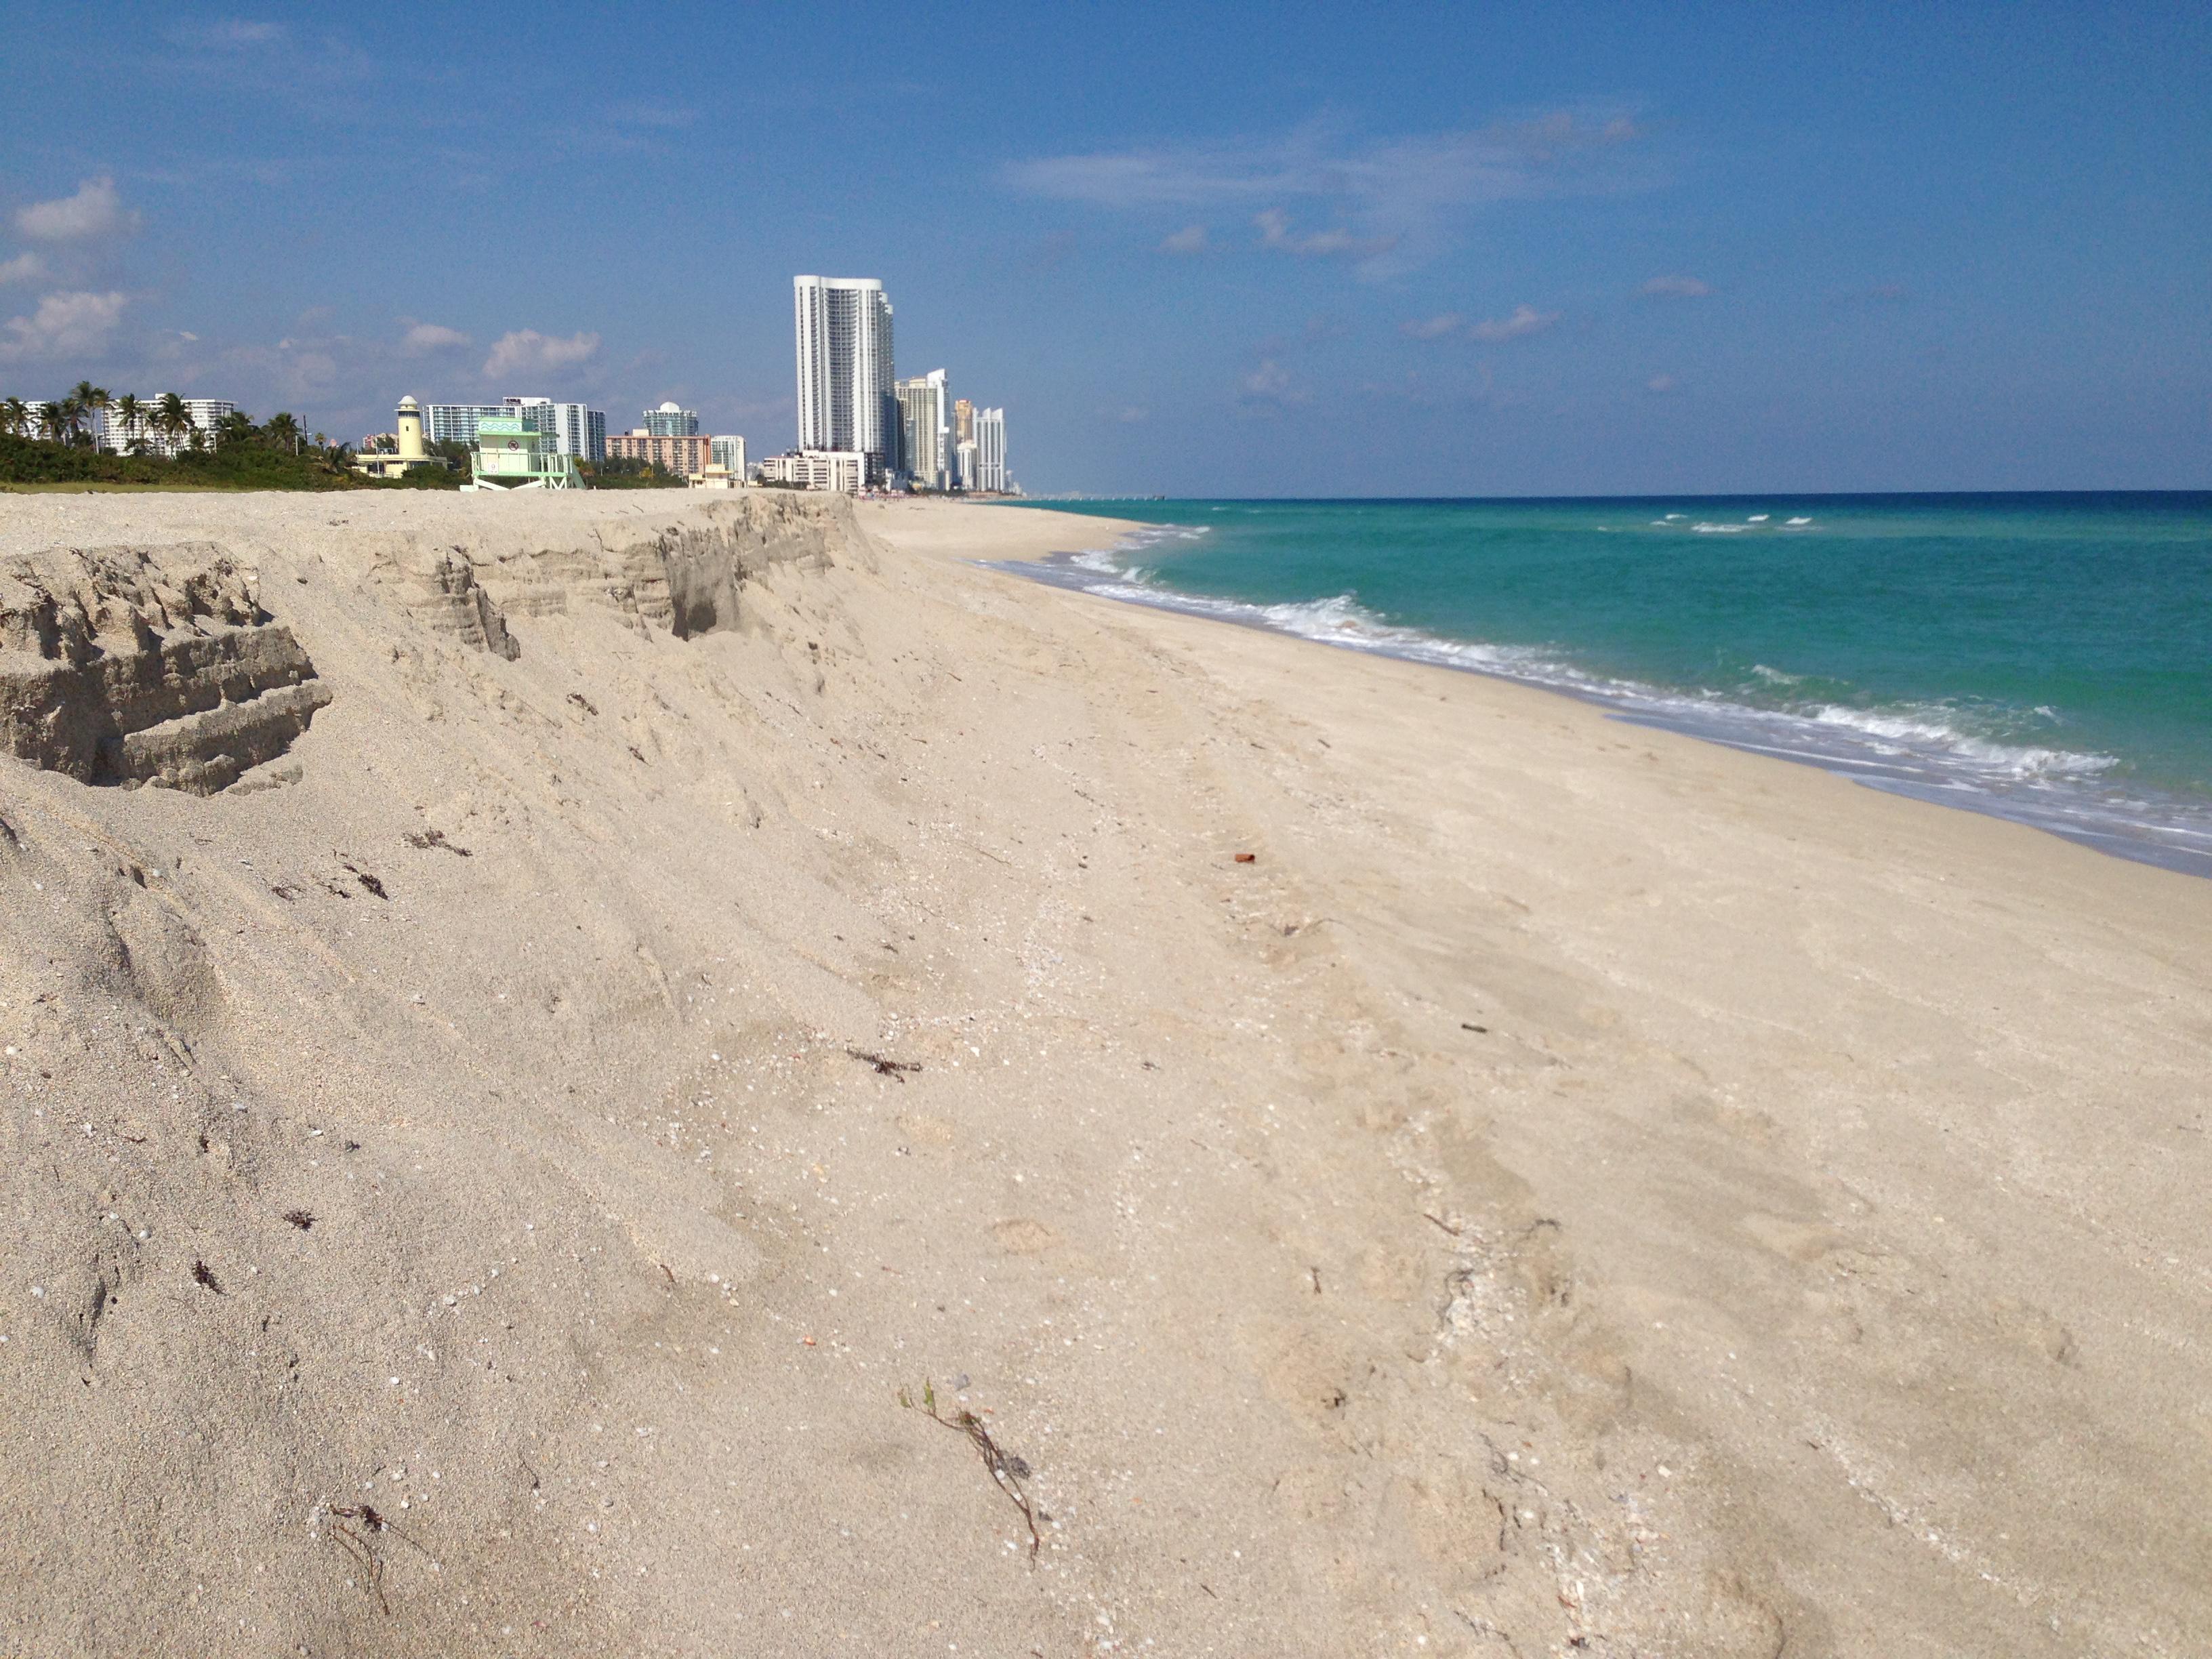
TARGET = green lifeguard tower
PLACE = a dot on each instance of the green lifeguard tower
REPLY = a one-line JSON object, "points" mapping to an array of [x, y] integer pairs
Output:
{"points": [[511, 454]]}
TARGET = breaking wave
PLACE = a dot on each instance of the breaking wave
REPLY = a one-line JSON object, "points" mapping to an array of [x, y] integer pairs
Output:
{"points": [[1957, 756]]}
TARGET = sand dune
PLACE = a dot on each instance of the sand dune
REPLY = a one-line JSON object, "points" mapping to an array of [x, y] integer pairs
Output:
{"points": [[490, 1142]]}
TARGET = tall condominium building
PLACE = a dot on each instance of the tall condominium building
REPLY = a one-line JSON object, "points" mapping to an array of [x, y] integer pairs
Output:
{"points": [[727, 452], [845, 401], [455, 424], [925, 431], [963, 464], [964, 423], [990, 449], [145, 433], [575, 428], [671, 421]]}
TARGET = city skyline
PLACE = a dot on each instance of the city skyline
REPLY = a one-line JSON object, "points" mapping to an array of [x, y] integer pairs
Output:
{"points": [[1435, 254]]}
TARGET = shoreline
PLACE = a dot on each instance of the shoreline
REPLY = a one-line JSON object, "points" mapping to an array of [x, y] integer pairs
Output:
{"points": [[2169, 833]]}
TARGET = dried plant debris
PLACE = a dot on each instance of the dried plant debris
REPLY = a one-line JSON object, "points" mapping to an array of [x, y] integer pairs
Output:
{"points": [[355, 1544], [426, 839], [886, 1067], [1007, 1470], [302, 1219], [204, 1274], [371, 884]]}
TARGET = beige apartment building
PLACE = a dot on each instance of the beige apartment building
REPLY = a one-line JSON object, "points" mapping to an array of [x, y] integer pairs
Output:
{"points": [[682, 455]]}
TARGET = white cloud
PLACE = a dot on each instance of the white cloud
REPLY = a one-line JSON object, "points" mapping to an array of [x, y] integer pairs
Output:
{"points": [[1275, 232], [1398, 195], [1525, 320], [1432, 328], [23, 268], [64, 324], [1271, 387], [422, 337], [524, 349], [1191, 238], [1660, 383], [229, 34], [94, 210], [1677, 288]]}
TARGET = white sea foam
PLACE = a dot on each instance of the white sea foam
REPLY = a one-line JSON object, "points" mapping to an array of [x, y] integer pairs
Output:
{"points": [[1931, 751], [1759, 518], [1936, 733]]}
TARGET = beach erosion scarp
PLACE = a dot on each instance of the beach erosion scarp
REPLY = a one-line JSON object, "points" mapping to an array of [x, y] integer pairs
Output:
{"points": [[540, 1033]]}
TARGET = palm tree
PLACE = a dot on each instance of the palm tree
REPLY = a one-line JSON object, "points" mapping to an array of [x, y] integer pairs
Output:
{"points": [[283, 429], [235, 428], [130, 413], [91, 401], [14, 415], [172, 419], [56, 421]]}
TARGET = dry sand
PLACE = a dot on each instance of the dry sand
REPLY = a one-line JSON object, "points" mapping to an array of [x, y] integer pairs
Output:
{"points": [[1576, 1191]]}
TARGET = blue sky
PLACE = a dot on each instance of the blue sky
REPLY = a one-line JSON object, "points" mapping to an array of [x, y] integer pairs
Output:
{"points": [[1193, 249]]}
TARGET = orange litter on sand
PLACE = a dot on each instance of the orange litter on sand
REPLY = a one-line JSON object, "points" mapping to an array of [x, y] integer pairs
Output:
{"points": [[1246, 858]]}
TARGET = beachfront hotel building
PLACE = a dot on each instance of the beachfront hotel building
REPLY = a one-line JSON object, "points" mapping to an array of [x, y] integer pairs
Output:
{"points": [[576, 429], [727, 452], [846, 402], [990, 450], [111, 431], [845, 470], [924, 422], [455, 424], [681, 453], [671, 420]]}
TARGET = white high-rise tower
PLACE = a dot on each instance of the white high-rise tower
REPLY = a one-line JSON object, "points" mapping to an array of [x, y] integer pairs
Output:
{"points": [[990, 449], [845, 397], [924, 416]]}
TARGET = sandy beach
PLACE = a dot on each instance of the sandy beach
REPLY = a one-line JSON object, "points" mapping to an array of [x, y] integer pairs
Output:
{"points": [[619, 995]]}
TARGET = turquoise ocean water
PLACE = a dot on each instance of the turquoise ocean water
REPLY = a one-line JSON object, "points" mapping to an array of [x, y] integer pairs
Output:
{"points": [[2046, 658]]}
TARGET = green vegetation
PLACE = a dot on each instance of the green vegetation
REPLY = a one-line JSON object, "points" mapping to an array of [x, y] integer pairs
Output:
{"points": [[276, 454], [627, 472], [229, 466]]}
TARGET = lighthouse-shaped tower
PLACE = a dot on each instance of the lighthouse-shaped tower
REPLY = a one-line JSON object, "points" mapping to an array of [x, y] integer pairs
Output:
{"points": [[409, 418], [410, 453]]}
